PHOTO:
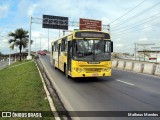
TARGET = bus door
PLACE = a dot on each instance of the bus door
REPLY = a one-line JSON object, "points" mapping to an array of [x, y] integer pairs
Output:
{"points": [[59, 55], [69, 55]]}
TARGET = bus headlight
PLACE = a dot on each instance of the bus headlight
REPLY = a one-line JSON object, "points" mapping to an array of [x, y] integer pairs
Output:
{"points": [[78, 70], [106, 69]]}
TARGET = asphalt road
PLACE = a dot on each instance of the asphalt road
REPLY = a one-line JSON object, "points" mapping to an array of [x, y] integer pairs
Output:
{"points": [[124, 91], [3, 64]]}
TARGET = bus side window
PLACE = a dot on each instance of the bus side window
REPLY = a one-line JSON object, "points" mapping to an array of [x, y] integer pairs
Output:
{"points": [[59, 49], [70, 49], [65, 49], [55, 46], [52, 49], [64, 44], [107, 46]]}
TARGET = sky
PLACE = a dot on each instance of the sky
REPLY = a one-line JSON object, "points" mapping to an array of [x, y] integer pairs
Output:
{"points": [[128, 24]]}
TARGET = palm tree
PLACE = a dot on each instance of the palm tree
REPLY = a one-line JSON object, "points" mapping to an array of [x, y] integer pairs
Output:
{"points": [[20, 39]]}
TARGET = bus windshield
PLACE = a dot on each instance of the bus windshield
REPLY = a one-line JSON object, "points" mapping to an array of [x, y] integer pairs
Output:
{"points": [[92, 50]]}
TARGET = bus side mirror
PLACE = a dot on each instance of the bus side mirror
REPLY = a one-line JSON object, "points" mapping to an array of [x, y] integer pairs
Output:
{"points": [[111, 46]]}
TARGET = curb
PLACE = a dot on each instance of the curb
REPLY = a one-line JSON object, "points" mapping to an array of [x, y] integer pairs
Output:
{"points": [[54, 93], [48, 95]]}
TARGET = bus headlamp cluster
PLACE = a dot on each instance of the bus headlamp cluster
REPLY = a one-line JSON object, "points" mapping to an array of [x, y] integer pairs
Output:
{"points": [[106, 69], [78, 70]]}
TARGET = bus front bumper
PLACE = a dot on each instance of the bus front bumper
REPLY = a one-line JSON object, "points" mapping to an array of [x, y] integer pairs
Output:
{"points": [[95, 74]]}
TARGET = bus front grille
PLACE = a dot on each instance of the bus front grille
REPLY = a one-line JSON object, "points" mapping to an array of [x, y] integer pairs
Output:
{"points": [[92, 70]]}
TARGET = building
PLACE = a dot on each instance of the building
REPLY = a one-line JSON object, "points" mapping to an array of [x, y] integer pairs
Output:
{"points": [[149, 56]]}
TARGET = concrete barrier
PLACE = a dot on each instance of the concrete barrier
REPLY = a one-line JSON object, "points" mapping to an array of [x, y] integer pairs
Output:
{"points": [[157, 71], [148, 68], [137, 67], [129, 66], [121, 64], [114, 63]]}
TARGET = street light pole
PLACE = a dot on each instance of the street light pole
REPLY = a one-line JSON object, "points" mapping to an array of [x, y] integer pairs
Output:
{"points": [[59, 33], [48, 40], [29, 57], [40, 42], [35, 45], [9, 56]]}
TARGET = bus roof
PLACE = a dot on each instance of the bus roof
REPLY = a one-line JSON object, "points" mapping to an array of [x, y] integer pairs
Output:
{"points": [[76, 31]]}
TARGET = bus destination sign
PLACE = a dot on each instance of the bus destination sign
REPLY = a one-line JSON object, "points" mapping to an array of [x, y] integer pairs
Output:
{"points": [[86, 34], [88, 24]]}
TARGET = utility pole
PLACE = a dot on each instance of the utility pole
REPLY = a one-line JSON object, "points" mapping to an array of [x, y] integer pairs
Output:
{"points": [[135, 52]]}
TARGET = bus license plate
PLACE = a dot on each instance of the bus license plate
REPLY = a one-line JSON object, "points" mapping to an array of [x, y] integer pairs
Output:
{"points": [[95, 74]]}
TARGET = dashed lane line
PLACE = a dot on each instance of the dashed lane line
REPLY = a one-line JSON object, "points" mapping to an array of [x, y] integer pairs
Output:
{"points": [[125, 82]]}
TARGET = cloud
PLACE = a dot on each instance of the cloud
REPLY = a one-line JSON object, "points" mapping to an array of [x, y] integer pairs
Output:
{"points": [[31, 10], [118, 39], [147, 28], [119, 45], [37, 34], [4, 10], [143, 39], [106, 11]]}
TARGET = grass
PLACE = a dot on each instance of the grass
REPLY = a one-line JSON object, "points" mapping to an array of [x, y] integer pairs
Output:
{"points": [[21, 89]]}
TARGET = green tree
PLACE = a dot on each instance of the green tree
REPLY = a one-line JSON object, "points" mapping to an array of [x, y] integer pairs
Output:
{"points": [[20, 39]]}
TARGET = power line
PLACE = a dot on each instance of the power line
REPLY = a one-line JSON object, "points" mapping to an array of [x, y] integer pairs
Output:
{"points": [[127, 12], [137, 25], [124, 33], [135, 16], [140, 21]]}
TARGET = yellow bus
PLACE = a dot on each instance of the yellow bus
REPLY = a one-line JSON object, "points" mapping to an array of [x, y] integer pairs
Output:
{"points": [[83, 53]]}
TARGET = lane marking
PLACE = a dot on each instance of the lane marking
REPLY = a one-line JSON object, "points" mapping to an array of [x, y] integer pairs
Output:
{"points": [[125, 82]]}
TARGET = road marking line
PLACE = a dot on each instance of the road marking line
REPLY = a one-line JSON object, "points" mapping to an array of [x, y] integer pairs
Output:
{"points": [[125, 82]]}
